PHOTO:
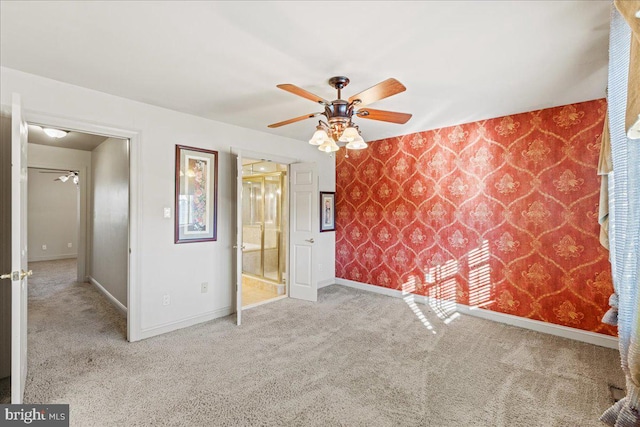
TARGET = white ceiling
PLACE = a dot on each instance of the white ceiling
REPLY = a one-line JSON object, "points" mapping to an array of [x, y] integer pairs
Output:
{"points": [[460, 61], [74, 140]]}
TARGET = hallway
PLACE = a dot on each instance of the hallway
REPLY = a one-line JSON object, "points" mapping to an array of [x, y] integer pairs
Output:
{"points": [[64, 316]]}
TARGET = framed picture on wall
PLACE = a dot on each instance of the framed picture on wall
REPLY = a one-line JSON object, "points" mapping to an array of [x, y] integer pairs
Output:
{"points": [[196, 199], [327, 211]]}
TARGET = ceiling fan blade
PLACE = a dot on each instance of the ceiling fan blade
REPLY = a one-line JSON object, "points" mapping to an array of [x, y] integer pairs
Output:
{"points": [[303, 93], [297, 119], [385, 116], [380, 91]]}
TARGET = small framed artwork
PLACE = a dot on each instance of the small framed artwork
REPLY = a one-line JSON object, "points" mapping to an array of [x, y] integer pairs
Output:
{"points": [[327, 211], [196, 203]]}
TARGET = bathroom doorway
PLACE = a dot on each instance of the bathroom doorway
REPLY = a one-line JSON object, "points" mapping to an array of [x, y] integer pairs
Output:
{"points": [[264, 231]]}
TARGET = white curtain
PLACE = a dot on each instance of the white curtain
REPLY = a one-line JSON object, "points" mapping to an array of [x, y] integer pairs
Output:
{"points": [[624, 203]]}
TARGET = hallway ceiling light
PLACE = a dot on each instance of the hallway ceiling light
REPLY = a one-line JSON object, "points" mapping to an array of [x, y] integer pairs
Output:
{"points": [[55, 133], [339, 113]]}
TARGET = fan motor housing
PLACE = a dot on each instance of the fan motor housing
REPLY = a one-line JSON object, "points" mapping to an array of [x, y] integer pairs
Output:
{"points": [[338, 109]]}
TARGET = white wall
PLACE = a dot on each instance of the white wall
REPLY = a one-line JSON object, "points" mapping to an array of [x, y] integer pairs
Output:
{"points": [[53, 217], [109, 218], [162, 266]]}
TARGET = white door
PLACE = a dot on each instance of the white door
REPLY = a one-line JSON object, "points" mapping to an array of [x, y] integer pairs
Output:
{"points": [[238, 246], [18, 273], [305, 227]]}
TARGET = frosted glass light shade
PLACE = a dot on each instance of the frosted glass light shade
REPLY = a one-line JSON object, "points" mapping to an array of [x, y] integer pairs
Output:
{"points": [[357, 144], [349, 134], [63, 178], [318, 137], [55, 133], [328, 146]]}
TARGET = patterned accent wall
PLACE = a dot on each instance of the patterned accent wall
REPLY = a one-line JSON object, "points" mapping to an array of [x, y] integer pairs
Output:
{"points": [[500, 214]]}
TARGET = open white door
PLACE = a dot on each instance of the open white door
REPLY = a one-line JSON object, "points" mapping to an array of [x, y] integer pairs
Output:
{"points": [[304, 229], [18, 273], [238, 246]]}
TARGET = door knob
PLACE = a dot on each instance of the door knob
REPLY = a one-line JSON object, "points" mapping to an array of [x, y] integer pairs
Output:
{"points": [[17, 276], [310, 240]]}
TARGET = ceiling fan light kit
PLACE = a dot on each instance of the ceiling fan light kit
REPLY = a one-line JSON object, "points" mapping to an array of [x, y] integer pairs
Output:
{"points": [[328, 146], [357, 144], [339, 126], [70, 175], [319, 136]]}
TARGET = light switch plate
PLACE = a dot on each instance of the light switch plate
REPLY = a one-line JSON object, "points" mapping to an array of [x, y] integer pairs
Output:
{"points": [[167, 212]]}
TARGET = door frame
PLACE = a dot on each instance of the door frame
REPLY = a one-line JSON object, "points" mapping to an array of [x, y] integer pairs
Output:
{"points": [[256, 155], [135, 194]]}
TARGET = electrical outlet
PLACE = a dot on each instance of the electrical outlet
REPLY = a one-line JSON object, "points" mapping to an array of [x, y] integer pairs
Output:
{"points": [[69, 245], [167, 212], [204, 287], [166, 299], [44, 247]]}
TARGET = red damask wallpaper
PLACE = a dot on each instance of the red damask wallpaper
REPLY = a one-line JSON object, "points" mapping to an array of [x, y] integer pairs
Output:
{"points": [[499, 214]]}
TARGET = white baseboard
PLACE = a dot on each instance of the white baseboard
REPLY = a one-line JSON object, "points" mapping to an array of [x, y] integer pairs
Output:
{"points": [[327, 282], [51, 257], [110, 297], [521, 322], [184, 323]]}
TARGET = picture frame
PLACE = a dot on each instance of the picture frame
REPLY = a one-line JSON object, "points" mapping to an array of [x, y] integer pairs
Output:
{"points": [[327, 211], [196, 195]]}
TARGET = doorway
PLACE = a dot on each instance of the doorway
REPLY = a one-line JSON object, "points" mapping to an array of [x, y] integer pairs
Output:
{"points": [[53, 214], [71, 189], [98, 166], [264, 231]]}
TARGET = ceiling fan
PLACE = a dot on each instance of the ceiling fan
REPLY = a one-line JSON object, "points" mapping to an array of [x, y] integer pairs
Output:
{"points": [[339, 113], [64, 176]]}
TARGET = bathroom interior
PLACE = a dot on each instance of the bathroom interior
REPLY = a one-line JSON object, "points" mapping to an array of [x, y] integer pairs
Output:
{"points": [[264, 231]]}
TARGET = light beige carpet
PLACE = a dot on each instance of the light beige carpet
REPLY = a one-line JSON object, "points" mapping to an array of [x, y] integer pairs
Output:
{"points": [[351, 359]]}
